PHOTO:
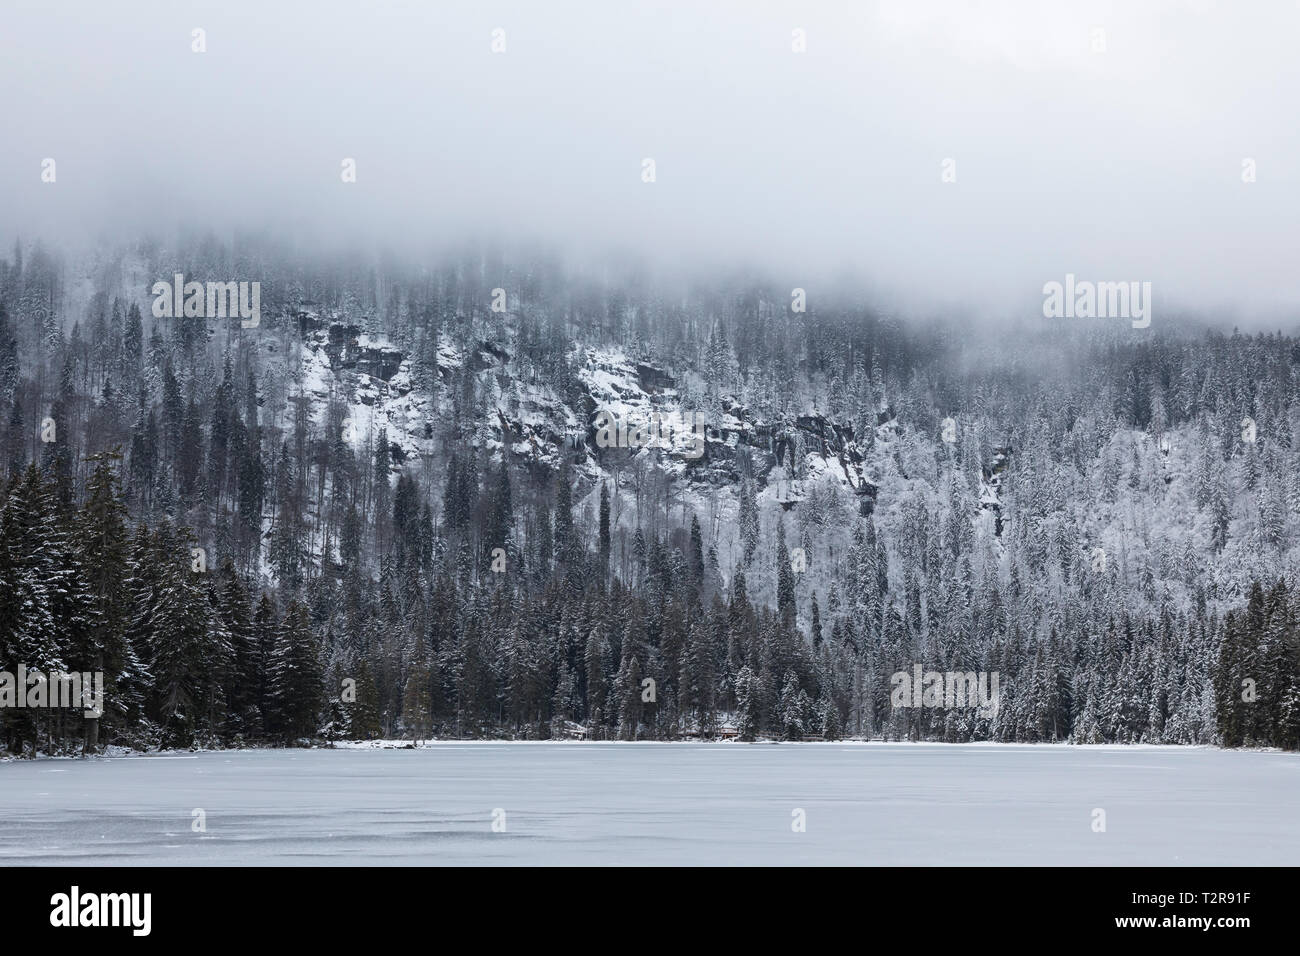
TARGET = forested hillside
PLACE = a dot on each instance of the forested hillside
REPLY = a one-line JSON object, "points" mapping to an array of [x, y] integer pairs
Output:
{"points": [[384, 510]]}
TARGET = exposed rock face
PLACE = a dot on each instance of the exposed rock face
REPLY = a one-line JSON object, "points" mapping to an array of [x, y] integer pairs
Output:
{"points": [[540, 427], [791, 452], [378, 362], [653, 380], [989, 499]]}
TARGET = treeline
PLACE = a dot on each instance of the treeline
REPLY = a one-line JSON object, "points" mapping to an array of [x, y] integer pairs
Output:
{"points": [[185, 655], [445, 646], [1257, 677]]}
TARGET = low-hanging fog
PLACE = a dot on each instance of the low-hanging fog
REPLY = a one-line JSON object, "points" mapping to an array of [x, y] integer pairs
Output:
{"points": [[1112, 141]]}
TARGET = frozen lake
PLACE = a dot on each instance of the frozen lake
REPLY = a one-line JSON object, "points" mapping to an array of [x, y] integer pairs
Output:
{"points": [[595, 803]]}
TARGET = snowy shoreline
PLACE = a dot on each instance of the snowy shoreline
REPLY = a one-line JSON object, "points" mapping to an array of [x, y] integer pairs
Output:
{"points": [[399, 744]]}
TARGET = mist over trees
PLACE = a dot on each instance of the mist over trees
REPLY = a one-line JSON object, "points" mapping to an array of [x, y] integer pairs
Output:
{"points": [[382, 511]]}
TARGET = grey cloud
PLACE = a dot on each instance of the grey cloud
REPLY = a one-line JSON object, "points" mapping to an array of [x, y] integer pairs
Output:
{"points": [[1117, 165]]}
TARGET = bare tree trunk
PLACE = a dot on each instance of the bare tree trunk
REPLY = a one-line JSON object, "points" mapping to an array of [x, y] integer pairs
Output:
{"points": [[91, 744]]}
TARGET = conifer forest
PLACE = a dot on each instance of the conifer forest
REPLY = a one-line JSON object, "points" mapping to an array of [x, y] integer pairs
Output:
{"points": [[416, 499]]}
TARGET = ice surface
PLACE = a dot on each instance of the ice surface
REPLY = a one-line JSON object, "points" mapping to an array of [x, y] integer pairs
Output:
{"points": [[594, 803]]}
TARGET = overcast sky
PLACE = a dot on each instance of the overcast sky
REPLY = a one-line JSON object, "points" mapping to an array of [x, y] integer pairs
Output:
{"points": [[1122, 164]]}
